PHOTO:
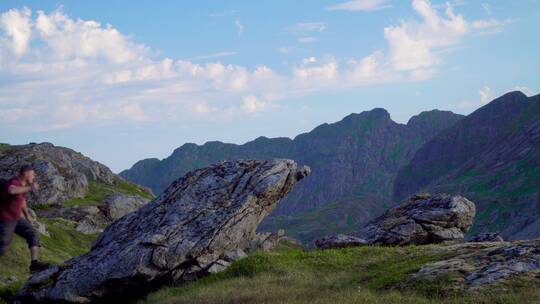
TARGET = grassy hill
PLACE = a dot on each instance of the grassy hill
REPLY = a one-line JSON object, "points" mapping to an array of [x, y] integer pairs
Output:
{"points": [[369, 274], [351, 275], [65, 242]]}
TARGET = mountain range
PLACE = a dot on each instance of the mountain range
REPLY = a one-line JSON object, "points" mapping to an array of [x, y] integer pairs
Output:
{"points": [[366, 163]]}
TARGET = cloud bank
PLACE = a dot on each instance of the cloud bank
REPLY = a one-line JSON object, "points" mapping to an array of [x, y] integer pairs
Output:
{"points": [[62, 72]]}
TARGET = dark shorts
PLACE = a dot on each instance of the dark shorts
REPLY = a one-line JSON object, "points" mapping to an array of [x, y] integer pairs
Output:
{"points": [[22, 228]]}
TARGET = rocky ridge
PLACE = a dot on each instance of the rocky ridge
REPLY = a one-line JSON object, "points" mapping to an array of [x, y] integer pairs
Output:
{"points": [[355, 159], [62, 173]]}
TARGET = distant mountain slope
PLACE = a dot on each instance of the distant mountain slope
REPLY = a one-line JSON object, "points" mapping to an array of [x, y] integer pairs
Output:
{"points": [[355, 159], [492, 157]]}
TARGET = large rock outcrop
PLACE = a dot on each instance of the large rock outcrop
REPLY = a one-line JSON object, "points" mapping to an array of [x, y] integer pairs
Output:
{"points": [[63, 174], [423, 219], [476, 265], [188, 231]]}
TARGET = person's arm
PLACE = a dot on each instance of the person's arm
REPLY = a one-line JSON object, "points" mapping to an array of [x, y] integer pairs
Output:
{"points": [[27, 215], [14, 190]]}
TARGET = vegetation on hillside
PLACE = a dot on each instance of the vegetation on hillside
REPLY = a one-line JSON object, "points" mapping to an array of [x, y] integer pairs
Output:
{"points": [[3, 147], [343, 216], [98, 191], [351, 275], [65, 242]]}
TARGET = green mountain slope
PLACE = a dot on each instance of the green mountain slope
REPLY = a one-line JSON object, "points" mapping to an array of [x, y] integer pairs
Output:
{"points": [[351, 160], [493, 158]]}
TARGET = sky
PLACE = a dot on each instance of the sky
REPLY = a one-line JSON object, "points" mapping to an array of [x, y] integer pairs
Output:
{"points": [[122, 81]]}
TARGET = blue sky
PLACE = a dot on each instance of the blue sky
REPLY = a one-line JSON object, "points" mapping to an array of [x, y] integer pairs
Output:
{"points": [[125, 80]]}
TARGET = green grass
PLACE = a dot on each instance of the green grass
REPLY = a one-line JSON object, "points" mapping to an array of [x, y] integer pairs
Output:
{"points": [[65, 242], [351, 275], [4, 147], [342, 216], [98, 191]]}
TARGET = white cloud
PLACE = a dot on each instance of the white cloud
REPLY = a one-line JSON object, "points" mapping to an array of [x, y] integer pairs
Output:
{"points": [[361, 5], [303, 27], [415, 45], [307, 39], [412, 44], [487, 8], [486, 95], [309, 60], [240, 27], [326, 71], [252, 104], [62, 72], [68, 38], [16, 24], [212, 56], [491, 26]]}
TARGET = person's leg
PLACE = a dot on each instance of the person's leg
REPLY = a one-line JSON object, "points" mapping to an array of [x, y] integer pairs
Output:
{"points": [[26, 231], [34, 253], [6, 234]]}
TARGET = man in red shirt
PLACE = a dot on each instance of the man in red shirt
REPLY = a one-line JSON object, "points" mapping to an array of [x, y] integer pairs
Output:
{"points": [[15, 218]]}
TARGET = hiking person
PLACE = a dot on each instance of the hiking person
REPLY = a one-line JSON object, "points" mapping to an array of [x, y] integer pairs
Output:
{"points": [[15, 217]]}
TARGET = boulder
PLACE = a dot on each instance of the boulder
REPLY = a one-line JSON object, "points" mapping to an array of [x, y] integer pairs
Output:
{"points": [[181, 235], [61, 172], [487, 237], [265, 241], [477, 265], [423, 219], [117, 205], [339, 241]]}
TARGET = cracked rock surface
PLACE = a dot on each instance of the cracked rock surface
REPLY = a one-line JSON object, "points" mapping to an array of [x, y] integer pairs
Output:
{"points": [[191, 229], [423, 219], [475, 265]]}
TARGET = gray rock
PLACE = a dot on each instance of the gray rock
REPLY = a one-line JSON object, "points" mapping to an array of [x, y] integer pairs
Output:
{"points": [[234, 255], [88, 219], [291, 241], [62, 173], [7, 280], [264, 241], [177, 237], [487, 237], [476, 265], [93, 219], [423, 219], [117, 205], [339, 241], [39, 226]]}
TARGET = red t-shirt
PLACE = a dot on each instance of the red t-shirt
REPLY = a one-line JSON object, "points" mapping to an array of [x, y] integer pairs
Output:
{"points": [[12, 209]]}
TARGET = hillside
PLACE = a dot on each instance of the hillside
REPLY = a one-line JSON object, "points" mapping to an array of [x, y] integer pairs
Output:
{"points": [[74, 193], [353, 160], [492, 157], [352, 275]]}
